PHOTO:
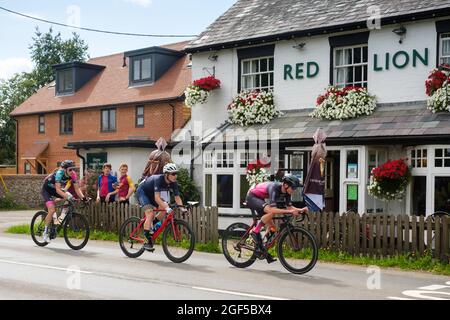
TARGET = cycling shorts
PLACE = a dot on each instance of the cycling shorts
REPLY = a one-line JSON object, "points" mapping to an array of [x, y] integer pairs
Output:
{"points": [[256, 204]]}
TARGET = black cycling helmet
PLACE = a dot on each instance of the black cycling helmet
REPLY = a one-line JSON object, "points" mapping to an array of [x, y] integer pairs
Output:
{"points": [[291, 180], [67, 164]]}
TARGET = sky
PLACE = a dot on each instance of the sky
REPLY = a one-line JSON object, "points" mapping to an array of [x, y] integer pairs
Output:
{"points": [[186, 17]]}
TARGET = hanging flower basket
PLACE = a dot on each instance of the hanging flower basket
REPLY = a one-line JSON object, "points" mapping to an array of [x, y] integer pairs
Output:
{"points": [[199, 90], [389, 181], [438, 90], [257, 172], [345, 103], [252, 107]]}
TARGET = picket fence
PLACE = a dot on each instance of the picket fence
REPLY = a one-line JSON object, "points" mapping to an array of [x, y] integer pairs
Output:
{"points": [[109, 217]]}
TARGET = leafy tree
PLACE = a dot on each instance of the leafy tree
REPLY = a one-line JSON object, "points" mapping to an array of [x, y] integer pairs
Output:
{"points": [[49, 49], [46, 50]]}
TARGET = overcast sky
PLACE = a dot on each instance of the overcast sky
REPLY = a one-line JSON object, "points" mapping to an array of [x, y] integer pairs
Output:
{"points": [[132, 16]]}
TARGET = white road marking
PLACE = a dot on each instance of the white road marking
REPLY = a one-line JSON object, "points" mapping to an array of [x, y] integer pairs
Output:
{"points": [[399, 298], [243, 294], [239, 293], [434, 287], [44, 266]]}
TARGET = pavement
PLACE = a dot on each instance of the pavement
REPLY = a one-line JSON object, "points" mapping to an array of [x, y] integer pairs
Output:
{"points": [[102, 271]]}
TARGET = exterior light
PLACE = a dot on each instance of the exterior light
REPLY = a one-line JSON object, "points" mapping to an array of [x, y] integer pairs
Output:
{"points": [[299, 46], [400, 32]]}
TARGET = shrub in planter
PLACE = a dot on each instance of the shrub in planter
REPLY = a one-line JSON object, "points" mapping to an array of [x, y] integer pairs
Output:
{"points": [[188, 189], [199, 90], [252, 107], [345, 103], [389, 181]]}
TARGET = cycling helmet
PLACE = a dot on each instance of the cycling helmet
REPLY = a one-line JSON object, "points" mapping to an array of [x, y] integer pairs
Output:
{"points": [[291, 180], [67, 164], [170, 168]]}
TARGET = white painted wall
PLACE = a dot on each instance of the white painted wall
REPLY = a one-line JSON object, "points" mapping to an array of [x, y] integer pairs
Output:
{"points": [[407, 84], [393, 85], [136, 158]]}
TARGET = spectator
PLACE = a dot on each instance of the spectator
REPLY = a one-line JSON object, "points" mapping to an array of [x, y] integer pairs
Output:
{"points": [[107, 185], [126, 185]]}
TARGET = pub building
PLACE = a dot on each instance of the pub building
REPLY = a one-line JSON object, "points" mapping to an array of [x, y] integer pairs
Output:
{"points": [[299, 48]]}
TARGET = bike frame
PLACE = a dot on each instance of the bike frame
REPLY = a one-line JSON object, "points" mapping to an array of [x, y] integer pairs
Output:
{"points": [[169, 219]]}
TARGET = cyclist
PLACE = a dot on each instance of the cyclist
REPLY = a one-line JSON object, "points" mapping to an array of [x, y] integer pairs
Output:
{"points": [[149, 197], [273, 191], [54, 187]]}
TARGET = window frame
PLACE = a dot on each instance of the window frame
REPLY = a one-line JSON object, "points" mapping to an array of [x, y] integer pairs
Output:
{"points": [[440, 47], [140, 81], [102, 129], [59, 74], [25, 166], [270, 73], [364, 66], [41, 124], [140, 116], [61, 126]]}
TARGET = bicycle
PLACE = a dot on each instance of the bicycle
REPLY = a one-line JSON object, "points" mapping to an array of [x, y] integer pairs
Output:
{"points": [[75, 227], [178, 239], [292, 242]]}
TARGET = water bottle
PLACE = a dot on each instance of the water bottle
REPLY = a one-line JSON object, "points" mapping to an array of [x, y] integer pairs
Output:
{"points": [[156, 226], [63, 214]]}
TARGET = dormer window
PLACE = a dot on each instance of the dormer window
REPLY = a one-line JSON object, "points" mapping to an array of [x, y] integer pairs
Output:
{"points": [[142, 69], [147, 65], [65, 81]]}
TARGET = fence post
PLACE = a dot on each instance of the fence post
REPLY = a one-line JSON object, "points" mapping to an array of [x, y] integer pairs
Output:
{"points": [[429, 235], [364, 234], [437, 238], [337, 233], [392, 235], [358, 237], [445, 239], [414, 233], [406, 246], [350, 237], [385, 235], [421, 235]]}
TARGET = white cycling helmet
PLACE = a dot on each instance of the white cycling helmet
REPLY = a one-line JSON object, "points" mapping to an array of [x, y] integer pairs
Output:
{"points": [[170, 168]]}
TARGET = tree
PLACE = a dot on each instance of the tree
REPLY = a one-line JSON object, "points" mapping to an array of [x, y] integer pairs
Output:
{"points": [[49, 49], [46, 50]]}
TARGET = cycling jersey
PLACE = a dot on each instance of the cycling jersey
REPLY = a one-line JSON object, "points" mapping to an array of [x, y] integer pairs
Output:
{"points": [[272, 192], [125, 184], [60, 177], [153, 184]]}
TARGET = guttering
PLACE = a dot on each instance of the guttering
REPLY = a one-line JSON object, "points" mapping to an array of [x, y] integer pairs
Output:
{"points": [[173, 116]]}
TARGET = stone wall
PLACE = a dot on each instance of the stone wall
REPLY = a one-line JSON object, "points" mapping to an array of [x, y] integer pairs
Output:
{"points": [[26, 189]]}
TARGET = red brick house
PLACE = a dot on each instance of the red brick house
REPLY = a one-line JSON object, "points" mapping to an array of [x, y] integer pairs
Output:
{"points": [[112, 108]]}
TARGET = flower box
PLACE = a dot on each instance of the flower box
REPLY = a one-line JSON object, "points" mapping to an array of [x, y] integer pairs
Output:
{"points": [[345, 103]]}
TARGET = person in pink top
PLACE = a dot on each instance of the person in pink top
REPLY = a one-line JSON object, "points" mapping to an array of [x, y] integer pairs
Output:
{"points": [[126, 185], [263, 199]]}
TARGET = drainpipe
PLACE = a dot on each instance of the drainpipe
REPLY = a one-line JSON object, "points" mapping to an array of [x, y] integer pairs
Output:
{"points": [[173, 117], [84, 162], [17, 145]]}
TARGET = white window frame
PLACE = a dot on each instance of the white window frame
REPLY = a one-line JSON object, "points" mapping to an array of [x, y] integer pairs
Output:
{"points": [[254, 75], [364, 83], [376, 202], [431, 172], [443, 37]]}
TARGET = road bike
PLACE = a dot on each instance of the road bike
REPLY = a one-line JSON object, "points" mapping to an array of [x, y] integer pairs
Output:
{"points": [[74, 226], [296, 246], [178, 239]]}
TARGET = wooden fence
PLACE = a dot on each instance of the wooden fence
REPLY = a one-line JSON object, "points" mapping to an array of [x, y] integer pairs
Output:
{"points": [[381, 234], [109, 217]]}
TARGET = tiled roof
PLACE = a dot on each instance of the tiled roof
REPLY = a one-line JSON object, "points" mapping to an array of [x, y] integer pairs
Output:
{"points": [[253, 19], [388, 124], [110, 87]]}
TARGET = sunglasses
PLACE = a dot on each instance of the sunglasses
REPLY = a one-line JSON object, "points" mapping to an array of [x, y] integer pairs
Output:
{"points": [[173, 174]]}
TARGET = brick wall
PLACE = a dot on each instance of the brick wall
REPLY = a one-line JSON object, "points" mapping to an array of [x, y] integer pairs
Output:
{"points": [[86, 127], [26, 189]]}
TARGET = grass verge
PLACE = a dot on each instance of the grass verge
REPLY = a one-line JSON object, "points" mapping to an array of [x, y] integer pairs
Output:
{"points": [[408, 262]]}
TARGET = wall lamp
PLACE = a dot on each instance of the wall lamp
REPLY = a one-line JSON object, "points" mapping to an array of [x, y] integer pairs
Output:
{"points": [[299, 46], [213, 57], [400, 32]]}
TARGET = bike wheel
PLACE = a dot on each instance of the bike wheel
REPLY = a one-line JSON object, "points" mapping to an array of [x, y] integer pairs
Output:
{"points": [[76, 231], [178, 241], [297, 250], [132, 247], [237, 245], [37, 228]]}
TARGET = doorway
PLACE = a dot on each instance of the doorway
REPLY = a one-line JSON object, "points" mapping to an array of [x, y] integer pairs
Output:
{"points": [[332, 181]]}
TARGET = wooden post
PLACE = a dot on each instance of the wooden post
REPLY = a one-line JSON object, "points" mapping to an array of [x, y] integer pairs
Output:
{"points": [[364, 234], [350, 237], [336, 234], [406, 247], [437, 237], [378, 235], [421, 235], [392, 235], [358, 236], [385, 235], [445, 239], [429, 235], [414, 234]]}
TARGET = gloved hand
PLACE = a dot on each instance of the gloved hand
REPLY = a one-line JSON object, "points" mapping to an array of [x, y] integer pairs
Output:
{"points": [[70, 197], [169, 210]]}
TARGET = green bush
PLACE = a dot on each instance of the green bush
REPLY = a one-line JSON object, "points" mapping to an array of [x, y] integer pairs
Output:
{"points": [[188, 189], [7, 202]]}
